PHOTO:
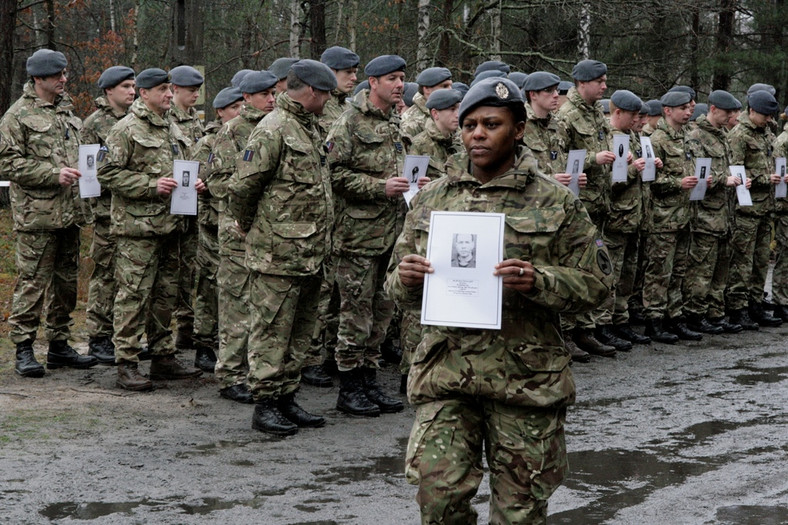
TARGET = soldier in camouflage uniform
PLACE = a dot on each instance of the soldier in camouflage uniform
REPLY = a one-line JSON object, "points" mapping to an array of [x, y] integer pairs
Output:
{"points": [[366, 157], [654, 113], [117, 83], [439, 139], [504, 392], [186, 82], [136, 165], [39, 147], [227, 104], [232, 365], [751, 146], [780, 272], [281, 197], [417, 115], [709, 251]]}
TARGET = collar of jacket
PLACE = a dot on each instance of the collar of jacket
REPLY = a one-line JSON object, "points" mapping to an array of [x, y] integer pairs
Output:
{"points": [[141, 110]]}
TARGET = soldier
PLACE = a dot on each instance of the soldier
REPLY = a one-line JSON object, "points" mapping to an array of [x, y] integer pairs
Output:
{"points": [[751, 146], [439, 139], [668, 228], [707, 276], [780, 272], [476, 390], [186, 82], [417, 115], [279, 68], [366, 157], [654, 113], [136, 165], [39, 147], [518, 78], [563, 91], [117, 84], [492, 65], [232, 365], [281, 197], [344, 63], [239, 76], [227, 103]]}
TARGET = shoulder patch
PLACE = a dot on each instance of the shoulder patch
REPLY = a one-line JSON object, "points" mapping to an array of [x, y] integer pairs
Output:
{"points": [[102, 153], [248, 155], [603, 261], [398, 147], [211, 156], [329, 146], [599, 243]]}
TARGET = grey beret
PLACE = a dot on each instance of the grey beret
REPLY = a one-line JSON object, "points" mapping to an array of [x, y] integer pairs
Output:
{"points": [[762, 87], [539, 80], [363, 85], [643, 109], [625, 100], [186, 76], [587, 70], [152, 77], [673, 99], [490, 73], [339, 58], [432, 76], [495, 91], [605, 106], [518, 78], [384, 64], [763, 102], [461, 87], [257, 81], [281, 66], [408, 92], [45, 63], [564, 86], [654, 108], [112, 76], [684, 89], [239, 75], [316, 74], [490, 65], [723, 100], [700, 109], [443, 99], [227, 96]]}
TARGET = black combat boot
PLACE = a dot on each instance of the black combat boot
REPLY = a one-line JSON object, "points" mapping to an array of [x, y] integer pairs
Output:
{"points": [[577, 355], [679, 327], [625, 331], [204, 358], [184, 340], [238, 393], [781, 312], [387, 404], [26, 364], [315, 375], [762, 317], [130, 378], [168, 367], [62, 355], [727, 327], [699, 323], [352, 399], [267, 418], [742, 318], [586, 341], [391, 350], [657, 333], [293, 411], [606, 336], [102, 349]]}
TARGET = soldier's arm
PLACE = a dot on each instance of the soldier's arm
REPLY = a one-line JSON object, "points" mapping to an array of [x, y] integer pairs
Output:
{"points": [[407, 296], [17, 165], [114, 173], [668, 179], [225, 154], [352, 185]]}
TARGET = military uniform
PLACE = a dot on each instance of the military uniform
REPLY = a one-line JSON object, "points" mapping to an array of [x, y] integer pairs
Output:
{"points": [[333, 109], [37, 139], [780, 272], [548, 141], [415, 118], [439, 148], [508, 389]]}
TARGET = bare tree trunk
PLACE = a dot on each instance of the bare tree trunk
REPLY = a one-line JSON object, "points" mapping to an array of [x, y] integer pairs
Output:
{"points": [[695, 48], [584, 32], [340, 20], [135, 42], [49, 27], [317, 26], [351, 29], [112, 15], [444, 49], [722, 77], [295, 28], [495, 49], [188, 24], [7, 25], [422, 52]]}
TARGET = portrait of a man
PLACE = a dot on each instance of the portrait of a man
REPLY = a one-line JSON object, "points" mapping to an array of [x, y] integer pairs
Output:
{"points": [[463, 253]]}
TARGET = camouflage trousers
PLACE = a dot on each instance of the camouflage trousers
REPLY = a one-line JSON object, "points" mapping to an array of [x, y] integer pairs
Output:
{"points": [[46, 262], [623, 250], [587, 320], [706, 259], [283, 316], [146, 271], [232, 363], [325, 334], [206, 300], [101, 289], [187, 255], [749, 261], [664, 277], [365, 310], [636, 299], [780, 273], [410, 337], [525, 451]]}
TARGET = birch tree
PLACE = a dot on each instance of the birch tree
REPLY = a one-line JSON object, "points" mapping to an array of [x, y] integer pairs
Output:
{"points": [[422, 54]]}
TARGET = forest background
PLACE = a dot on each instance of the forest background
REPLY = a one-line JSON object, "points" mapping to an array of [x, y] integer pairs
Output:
{"points": [[648, 45]]}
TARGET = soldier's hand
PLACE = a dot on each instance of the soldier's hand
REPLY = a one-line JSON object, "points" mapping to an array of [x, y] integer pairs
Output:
{"points": [[517, 275], [423, 182], [605, 157], [396, 186], [630, 157], [563, 178], [775, 179], [708, 181], [687, 183], [658, 163], [582, 180], [748, 184], [165, 185], [640, 164], [412, 268], [200, 186], [68, 176], [732, 180]]}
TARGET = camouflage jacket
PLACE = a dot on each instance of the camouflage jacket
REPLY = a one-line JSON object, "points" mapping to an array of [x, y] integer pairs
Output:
{"points": [[188, 122], [670, 204], [365, 149], [587, 129], [548, 141], [333, 109], [37, 139], [415, 118], [626, 198], [140, 149], [712, 214], [432, 142], [201, 152], [752, 148], [230, 141], [781, 150], [524, 363], [281, 193]]}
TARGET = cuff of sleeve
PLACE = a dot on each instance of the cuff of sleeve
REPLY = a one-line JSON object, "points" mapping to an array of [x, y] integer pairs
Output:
{"points": [[539, 284]]}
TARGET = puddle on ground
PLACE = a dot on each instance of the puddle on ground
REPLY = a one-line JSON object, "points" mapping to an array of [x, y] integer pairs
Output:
{"points": [[751, 515], [211, 448], [761, 375], [387, 466]]}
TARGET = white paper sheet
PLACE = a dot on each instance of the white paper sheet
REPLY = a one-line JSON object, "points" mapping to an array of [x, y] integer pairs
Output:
{"points": [[89, 185], [650, 171], [574, 166], [184, 197], [781, 190], [621, 150], [464, 248], [702, 172], [742, 193], [415, 168]]}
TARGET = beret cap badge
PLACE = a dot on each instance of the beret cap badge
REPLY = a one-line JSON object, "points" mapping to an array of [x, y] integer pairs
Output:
{"points": [[502, 91]]}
